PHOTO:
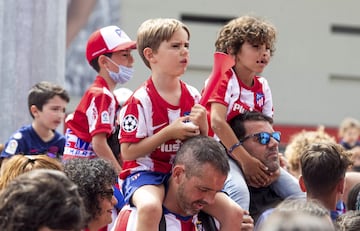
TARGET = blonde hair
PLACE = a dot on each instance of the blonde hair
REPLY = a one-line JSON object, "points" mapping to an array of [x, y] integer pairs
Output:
{"points": [[19, 164], [299, 142], [347, 123], [153, 32]]}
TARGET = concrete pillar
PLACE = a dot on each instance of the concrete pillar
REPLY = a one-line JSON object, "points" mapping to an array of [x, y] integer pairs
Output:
{"points": [[32, 48]]}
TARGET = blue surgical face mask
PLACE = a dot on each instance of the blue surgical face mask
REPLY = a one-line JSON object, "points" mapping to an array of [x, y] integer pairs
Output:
{"points": [[124, 74]]}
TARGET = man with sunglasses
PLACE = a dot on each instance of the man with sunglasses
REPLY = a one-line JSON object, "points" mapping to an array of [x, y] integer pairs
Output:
{"points": [[255, 133]]}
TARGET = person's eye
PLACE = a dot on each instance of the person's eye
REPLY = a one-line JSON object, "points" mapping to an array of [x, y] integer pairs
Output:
{"points": [[176, 45], [203, 189], [187, 45]]}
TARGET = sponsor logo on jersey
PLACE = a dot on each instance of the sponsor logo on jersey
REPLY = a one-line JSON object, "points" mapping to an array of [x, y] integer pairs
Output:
{"points": [[170, 147], [241, 107], [158, 126], [130, 123]]}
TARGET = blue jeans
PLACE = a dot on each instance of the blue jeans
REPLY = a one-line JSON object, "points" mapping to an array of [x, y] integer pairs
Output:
{"points": [[235, 186]]}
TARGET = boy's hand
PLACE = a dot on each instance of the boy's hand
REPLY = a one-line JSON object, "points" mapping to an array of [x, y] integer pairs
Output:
{"points": [[181, 129], [198, 117], [255, 172], [247, 223]]}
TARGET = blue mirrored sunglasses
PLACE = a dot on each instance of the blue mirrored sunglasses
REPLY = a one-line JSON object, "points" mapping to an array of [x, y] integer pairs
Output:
{"points": [[263, 137]]}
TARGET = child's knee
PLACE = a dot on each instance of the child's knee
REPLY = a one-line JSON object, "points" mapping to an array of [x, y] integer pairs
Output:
{"points": [[153, 209]]}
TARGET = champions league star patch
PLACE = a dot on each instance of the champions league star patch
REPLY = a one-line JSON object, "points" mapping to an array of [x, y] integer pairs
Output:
{"points": [[130, 123]]}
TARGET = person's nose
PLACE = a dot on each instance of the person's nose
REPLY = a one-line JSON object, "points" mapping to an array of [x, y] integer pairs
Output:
{"points": [[265, 51], [114, 201], [184, 50], [273, 142], [209, 197]]}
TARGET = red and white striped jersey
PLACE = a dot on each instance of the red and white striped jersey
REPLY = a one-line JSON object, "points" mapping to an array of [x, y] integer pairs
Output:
{"points": [[239, 98], [126, 221], [146, 113], [94, 114]]}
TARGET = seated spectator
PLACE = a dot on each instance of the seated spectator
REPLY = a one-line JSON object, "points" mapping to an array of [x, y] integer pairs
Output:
{"points": [[19, 164], [41, 200], [349, 221], [95, 179], [46, 105], [323, 167], [349, 134], [199, 172], [299, 142], [298, 215], [257, 136]]}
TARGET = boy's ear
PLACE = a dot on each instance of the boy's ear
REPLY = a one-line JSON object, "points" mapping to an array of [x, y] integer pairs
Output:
{"points": [[148, 54], [302, 184], [102, 61], [34, 110]]}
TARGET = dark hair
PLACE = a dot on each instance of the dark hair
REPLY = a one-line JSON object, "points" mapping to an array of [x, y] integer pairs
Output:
{"points": [[95, 64], [41, 92], [200, 150], [41, 198], [353, 200], [323, 165], [91, 176], [237, 123]]}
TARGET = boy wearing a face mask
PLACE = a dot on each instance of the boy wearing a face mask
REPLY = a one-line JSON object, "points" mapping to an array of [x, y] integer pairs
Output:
{"points": [[108, 51]]}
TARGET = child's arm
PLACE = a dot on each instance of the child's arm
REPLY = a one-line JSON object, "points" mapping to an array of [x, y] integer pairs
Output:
{"points": [[176, 130], [198, 117], [227, 212], [102, 149], [254, 171]]}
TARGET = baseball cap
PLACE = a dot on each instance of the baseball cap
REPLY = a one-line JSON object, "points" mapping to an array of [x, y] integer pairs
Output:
{"points": [[107, 40]]}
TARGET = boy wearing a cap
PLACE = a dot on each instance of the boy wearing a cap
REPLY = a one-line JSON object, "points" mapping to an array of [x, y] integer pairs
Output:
{"points": [[108, 51], [156, 119]]}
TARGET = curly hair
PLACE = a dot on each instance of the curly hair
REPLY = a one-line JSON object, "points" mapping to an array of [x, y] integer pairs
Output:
{"points": [[353, 200], [41, 198], [243, 29], [91, 176], [349, 221], [299, 142]]}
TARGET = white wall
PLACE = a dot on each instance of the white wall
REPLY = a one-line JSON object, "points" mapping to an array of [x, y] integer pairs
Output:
{"points": [[307, 54]]}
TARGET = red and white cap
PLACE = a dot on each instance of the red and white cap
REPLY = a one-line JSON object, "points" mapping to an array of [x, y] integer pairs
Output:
{"points": [[107, 40]]}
